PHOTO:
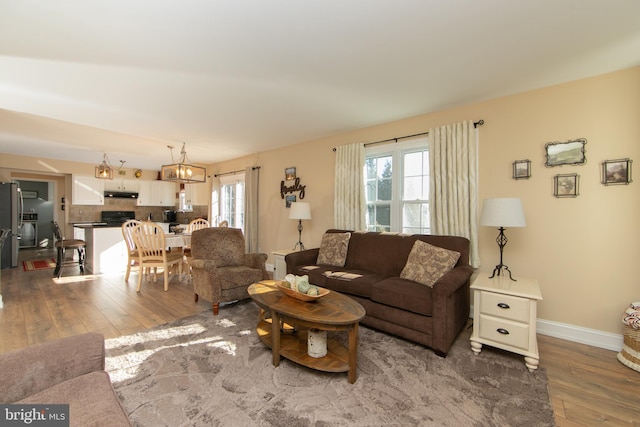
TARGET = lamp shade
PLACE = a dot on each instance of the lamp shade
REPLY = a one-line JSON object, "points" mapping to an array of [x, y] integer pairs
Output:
{"points": [[502, 212], [299, 210]]}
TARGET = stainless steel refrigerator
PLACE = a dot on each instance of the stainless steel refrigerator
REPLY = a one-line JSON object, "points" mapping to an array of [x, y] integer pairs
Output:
{"points": [[11, 207]]}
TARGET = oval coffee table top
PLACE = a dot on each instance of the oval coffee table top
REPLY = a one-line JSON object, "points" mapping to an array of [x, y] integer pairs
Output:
{"points": [[332, 309]]}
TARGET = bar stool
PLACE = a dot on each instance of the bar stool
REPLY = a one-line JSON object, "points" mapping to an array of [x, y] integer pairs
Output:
{"points": [[62, 245]]}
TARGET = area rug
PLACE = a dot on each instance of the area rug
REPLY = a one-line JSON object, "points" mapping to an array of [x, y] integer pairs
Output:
{"points": [[207, 370], [39, 264]]}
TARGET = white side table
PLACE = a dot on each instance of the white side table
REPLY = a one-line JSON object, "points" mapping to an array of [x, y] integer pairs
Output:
{"points": [[504, 316], [279, 264]]}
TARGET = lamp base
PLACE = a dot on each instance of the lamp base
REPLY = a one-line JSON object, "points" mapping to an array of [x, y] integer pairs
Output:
{"points": [[299, 237], [498, 269]]}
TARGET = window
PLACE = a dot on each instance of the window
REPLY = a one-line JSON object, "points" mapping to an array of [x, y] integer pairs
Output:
{"points": [[397, 187], [232, 200]]}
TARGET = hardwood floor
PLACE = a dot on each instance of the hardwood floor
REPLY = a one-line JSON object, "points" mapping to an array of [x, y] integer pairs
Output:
{"points": [[588, 386]]}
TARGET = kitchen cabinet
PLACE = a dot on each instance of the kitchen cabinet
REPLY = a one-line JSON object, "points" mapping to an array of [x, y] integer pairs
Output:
{"points": [[196, 195], [87, 190], [156, 193], [122, 184]]}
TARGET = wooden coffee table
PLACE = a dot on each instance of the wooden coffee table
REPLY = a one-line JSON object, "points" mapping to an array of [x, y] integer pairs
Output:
{"points": [[333, 312]]}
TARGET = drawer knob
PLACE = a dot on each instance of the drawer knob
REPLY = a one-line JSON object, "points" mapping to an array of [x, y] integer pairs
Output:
{"points": [[503, 305], [502, 331]]}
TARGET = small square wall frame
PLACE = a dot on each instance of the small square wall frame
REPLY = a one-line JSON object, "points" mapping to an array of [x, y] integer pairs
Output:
{"points": [[615, 172], [566, 185]]}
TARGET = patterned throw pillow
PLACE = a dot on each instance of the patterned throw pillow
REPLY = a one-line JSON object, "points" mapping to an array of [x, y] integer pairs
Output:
{"points": [[333, 249], [427, 263]]}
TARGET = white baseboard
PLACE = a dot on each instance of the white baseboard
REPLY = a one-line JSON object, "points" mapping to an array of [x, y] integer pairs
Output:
{"points": [[565, 331], [594, 337]]}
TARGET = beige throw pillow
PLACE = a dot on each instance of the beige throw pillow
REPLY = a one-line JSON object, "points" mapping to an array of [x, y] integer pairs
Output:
{"points": [[427, 263], [333, 249]]}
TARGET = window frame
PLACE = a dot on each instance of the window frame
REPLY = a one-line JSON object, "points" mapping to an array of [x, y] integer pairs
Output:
{"points": [[397, 152], [233, 179]]}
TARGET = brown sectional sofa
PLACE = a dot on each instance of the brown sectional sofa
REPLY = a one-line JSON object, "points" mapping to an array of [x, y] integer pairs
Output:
{"points": [[65, 371], [429, 316]]}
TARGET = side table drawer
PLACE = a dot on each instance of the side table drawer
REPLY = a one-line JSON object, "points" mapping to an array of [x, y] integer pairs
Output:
{"points": [[505, 306], [504, 331]]}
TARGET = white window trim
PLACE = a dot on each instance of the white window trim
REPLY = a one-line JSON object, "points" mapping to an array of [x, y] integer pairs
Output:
{"points": [[396, 151]]}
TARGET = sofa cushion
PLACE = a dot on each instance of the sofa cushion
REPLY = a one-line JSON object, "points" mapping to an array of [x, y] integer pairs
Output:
{"points": [[404, 294], [333, 249], [352, 282], [427, 263], [91, 400]]}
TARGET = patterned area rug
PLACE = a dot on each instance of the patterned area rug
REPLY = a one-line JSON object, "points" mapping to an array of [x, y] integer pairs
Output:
{"points": [[214, 371], [39, 264]]}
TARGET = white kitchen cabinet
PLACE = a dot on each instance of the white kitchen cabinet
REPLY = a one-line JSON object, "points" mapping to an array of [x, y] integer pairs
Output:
{"points": [[122, 184], [196, 194], [156, 193], [87, 190]]}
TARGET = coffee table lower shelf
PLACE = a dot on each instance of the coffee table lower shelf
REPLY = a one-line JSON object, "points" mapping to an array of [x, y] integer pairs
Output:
{"points": [[293, 346]]}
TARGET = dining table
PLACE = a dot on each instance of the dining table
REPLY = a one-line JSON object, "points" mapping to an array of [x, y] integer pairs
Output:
{"points": [[173, 240]]}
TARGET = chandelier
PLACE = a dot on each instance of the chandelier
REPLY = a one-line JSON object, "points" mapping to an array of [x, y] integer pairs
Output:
{"points": [[182, 171], [104, 170]]}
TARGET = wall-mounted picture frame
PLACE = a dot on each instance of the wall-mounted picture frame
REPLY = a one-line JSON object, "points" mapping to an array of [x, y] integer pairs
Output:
{"points": [[290, 173], [566, 185], [616, 172], [27, 194], [289, 200], [566, 153], [522, 169]]}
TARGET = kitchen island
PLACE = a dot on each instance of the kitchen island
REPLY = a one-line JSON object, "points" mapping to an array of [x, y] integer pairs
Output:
{"points": [[106, 250]]}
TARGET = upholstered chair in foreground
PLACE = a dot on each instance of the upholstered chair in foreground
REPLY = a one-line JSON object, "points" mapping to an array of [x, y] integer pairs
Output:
{"points": [[221, 269]]}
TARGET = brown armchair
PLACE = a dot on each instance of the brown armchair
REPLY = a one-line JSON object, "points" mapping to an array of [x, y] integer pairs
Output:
{"points": [[221, 269]]}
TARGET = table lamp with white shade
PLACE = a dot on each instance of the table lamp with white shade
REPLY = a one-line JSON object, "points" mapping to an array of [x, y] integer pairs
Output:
{"points": [[299, 211], [502, 213]]}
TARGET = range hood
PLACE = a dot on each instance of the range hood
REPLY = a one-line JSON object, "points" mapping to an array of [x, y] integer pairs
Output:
{"points": [[121, 194]]}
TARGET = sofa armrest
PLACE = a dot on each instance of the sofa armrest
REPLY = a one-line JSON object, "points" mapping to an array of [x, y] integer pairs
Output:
{"points": [[302, 258], [36, 368], [451, 304]]}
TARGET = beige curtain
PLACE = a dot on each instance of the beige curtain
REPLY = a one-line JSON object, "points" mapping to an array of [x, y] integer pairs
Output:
{"points": [[251, 179], [453, 194], [349, 205]]}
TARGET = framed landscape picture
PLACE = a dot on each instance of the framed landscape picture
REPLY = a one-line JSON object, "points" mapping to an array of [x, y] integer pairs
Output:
{"points": [[522, 169], [566, 153], [566, 185], [616, 171]]}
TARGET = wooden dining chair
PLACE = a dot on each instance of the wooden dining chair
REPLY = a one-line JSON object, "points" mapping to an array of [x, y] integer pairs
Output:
{"points": [[196, 224], [132, 252], [62, 244], [152, 252]]}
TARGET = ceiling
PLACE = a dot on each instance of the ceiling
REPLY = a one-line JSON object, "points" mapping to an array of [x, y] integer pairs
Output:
{"points": [[231, 78]]}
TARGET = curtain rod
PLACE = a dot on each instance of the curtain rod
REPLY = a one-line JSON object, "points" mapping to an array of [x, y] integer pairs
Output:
{"points": [[475, 125], [234, 172]]}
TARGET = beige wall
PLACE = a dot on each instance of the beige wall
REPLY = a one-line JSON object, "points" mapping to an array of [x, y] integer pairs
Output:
{"points": [[582, 251]]}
